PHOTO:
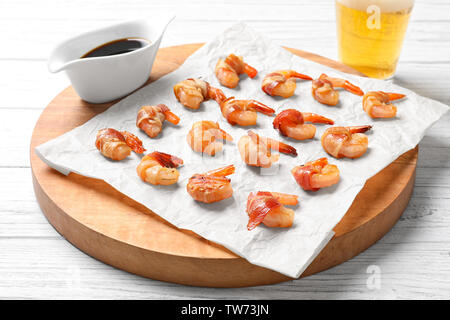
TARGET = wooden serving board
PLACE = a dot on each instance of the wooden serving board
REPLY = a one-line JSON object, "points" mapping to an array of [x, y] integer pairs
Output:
{"points": [[115, 229]]}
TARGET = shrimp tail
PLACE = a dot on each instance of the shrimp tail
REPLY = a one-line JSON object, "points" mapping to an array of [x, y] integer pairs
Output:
{"points": [[295, 74], [341, 83], [280, 146], [273, 144], [394, 96], [316, 118], [170, 116], [222, 172], [216, 94], [359, 129], [353, 88], [261, 107], [133, 142], [165, 159], [250, 71]]}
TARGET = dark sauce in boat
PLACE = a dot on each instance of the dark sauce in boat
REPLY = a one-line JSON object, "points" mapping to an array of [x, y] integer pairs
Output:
{"points": [[118, 46]]}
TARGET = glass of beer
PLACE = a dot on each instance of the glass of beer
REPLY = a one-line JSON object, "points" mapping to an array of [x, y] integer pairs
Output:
{"points": [[370, 34]]}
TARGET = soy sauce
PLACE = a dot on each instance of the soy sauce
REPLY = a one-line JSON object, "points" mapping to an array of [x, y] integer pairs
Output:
{"points": [[115, 47]]}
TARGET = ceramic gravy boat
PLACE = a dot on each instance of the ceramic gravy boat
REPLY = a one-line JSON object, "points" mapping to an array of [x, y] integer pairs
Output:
{"points": [[106, 78]]}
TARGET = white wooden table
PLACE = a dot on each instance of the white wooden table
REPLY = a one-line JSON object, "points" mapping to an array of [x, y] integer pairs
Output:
{"points": [[412, 260]]}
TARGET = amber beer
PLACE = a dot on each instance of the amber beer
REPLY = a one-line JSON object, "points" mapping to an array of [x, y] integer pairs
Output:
{"points": [[370, 34]]}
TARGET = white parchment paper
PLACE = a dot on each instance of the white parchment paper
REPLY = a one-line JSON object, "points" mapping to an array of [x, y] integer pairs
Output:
{"points": [[290, 250]]}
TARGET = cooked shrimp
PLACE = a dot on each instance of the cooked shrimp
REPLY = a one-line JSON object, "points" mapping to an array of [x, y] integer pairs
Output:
{"points": [[243, 112], [256, 151], [159, 168], [349, 142], [291, 123], [203, 137], [192, 92], [316, 174], [282, 83], [256, 154], [268, 208], [376, 104], [117, 145], [324, 92], [211, 186], [150, 119], [227, 71], [133, 142]]}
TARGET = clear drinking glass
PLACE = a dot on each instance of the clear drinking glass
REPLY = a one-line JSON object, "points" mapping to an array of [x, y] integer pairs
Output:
{"points": [[370, 34]]}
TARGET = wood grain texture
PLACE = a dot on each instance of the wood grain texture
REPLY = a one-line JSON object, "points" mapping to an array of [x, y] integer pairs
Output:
{"points": [[121, 232], [37, 262]]}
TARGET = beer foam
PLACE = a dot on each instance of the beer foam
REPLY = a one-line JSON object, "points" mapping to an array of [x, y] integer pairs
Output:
{"points": [[385, 5]]}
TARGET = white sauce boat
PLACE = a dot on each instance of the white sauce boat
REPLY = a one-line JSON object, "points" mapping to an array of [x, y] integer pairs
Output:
{"points": [[106, 78]]}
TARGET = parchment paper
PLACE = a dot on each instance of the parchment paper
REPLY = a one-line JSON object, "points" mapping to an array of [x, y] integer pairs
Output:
{"points": [[288, 251]]}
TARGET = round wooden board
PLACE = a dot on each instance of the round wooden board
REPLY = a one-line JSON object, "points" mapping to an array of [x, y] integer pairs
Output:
{"points": [[115, 229]]}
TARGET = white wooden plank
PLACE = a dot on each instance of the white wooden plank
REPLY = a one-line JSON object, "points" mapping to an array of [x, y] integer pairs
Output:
{"points": [[199, 9], [16, 126], [53, 267], [299, 34], [317, 37], [305, 25], [28, 85]]}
